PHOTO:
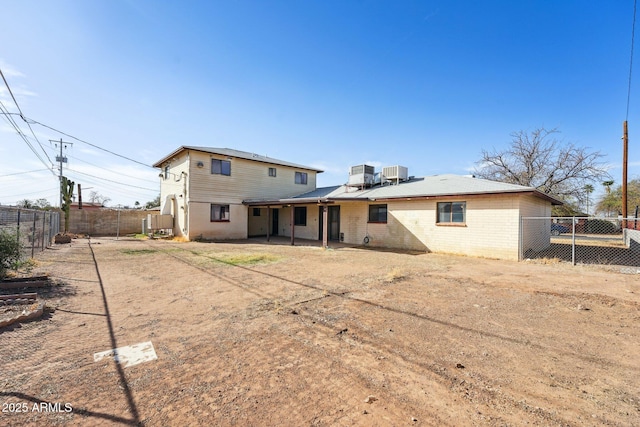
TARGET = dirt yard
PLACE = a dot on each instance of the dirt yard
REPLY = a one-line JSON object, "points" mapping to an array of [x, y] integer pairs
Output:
{"points": [[268, 334]]}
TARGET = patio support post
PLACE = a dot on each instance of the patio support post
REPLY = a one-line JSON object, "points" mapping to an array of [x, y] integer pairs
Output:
{"points": [[293, 227], [268, 221], [325, 226]]}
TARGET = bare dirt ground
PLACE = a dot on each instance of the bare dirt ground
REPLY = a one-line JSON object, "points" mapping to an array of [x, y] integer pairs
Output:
{"points": [[255, 334]]}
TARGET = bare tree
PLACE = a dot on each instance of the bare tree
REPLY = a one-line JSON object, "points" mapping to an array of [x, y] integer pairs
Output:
{"points": [[95, 197], [537, 159]]}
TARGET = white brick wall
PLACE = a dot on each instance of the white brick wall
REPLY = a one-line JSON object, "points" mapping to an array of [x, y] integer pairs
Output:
{"points": [[491, 229]]}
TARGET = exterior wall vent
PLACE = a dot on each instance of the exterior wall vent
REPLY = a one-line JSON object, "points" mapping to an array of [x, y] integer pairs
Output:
{"points": [[361, 176], [395, 173]]}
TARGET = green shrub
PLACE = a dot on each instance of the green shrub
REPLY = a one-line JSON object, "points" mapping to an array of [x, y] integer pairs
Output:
{"points": [[9, 252], [600, 226]]}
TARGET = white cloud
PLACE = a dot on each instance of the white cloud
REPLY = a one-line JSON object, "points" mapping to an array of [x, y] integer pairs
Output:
{"points": [[9, 71], [610, 166]]}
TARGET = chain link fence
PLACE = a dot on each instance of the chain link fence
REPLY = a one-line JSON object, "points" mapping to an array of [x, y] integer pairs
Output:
{"points": [[582, 240], [34, 229]]}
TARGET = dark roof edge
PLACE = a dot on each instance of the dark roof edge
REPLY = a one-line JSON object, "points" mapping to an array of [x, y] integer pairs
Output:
{"points": [[532, 192], [299, 201], [320, 200], [262, 160]]}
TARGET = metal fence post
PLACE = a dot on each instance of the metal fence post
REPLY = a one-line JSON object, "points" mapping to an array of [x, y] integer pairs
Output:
{"points": [[44, 219], [521, 240], [50, 235], [33, 235], [18, 227], [573, 240]]}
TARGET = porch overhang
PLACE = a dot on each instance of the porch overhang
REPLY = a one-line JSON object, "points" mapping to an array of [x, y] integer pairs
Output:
{"points": [[286, 202]]}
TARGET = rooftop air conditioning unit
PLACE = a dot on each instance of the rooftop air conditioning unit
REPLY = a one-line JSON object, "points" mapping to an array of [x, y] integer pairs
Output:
{"points": [[395, 173], [361, 175]]}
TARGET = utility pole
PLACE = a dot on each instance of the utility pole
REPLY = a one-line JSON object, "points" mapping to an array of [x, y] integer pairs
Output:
{"points": [[625, 161], [61, 159]]}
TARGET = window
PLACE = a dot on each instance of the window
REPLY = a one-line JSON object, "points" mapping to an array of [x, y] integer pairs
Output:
{"points": [[272, 171], [301, 178], [377, 213], [452, 212], [300, 215], [256, 211], [221, 167], [219, 213], [166, 172]]}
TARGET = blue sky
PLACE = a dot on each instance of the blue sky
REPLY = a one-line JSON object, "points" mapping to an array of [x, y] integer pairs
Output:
{"points": [[329, 84]]}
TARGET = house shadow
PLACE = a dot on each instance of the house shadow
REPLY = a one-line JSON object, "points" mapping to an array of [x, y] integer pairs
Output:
{"points": [[589, 254]]}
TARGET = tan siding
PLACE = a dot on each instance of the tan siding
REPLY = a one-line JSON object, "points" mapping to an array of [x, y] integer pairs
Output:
{"points": [[195, 191], [201, 226], [248, 180]]}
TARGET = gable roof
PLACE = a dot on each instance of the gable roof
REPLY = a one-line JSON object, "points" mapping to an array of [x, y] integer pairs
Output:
{"points": [[235, 153], [417, 188]]}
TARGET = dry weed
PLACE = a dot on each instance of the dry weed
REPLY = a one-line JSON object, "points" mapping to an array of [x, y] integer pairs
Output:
{"points": [[396, 274]]}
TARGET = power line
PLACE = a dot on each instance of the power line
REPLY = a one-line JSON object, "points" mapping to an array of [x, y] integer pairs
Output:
{"points": [[108, 170], [11, 93], [111, 189], [633, 30], [92, 145], [28, 194], [22, 115], [21, 173], [9, 119], [110, 180]]}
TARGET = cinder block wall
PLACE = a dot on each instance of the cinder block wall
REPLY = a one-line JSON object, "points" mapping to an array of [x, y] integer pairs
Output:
{"points": [[632, 239], [104, 222]]}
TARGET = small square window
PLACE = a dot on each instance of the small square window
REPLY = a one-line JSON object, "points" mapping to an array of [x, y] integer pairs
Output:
{"points": [[301, 178], [272, 171], [256, 211], [452, 212], [219, 213], [377, 213], [220, 167], [300, 215]]}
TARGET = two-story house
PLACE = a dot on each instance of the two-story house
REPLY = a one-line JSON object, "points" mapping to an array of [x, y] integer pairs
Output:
{"points": [[219, 193], [204, 188]]}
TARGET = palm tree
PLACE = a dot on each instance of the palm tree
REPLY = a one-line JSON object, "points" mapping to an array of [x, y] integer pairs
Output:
{"points": [[607, 188], [589, 189]]}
